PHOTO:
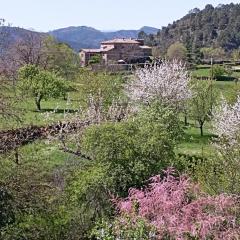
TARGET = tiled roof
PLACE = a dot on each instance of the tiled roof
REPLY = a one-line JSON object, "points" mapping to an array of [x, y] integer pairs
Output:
{"points": [[107, 48], [120, 40], [98, 50]]}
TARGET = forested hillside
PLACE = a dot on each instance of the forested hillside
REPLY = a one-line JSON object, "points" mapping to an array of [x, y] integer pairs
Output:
{"points": [[210, 27]]}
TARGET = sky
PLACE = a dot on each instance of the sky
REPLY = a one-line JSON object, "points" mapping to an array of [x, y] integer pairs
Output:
{"points": [[45, 15]]}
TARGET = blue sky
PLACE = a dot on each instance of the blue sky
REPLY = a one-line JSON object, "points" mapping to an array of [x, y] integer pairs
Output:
{"points": [[44, 15]]}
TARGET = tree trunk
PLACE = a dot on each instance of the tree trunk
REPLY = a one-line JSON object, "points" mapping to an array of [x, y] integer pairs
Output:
{"points": [[38, 102], [201, 129]]}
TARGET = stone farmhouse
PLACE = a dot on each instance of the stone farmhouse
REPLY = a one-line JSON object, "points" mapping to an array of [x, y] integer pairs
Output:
{"points": [[115, 51]]}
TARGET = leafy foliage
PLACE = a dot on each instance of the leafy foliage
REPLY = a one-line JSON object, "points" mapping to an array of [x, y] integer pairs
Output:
{"points": [[177, 51], [41, 84], [219, 72], [202, 102], [136, 149], [100, 85]]}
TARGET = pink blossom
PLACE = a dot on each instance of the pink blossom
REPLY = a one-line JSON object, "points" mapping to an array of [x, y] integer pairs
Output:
{"points": [[176, 206]]}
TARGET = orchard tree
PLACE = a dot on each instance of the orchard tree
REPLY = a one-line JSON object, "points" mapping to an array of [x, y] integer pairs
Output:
{"points": [[60, 58], [227, 122], [167, 83], [41, 84], [202, 102], [101, 86], [134, 149], [226, 125], [177, 51]]}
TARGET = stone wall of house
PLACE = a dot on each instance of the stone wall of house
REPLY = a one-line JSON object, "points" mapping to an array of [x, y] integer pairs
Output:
{"points": [[126, 52], [129, 52]]}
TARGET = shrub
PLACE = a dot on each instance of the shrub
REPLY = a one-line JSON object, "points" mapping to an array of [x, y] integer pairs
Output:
{"points": [[177, 209], [218, 72], [136, 149]]}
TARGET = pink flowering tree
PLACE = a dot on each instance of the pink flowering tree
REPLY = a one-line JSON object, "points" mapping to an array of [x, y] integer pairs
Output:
{"points": [[167, 83], [174, 208]]}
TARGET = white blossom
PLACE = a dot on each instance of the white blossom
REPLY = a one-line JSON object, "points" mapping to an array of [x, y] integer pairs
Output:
{"points": [[168, 82], [226, 122]]}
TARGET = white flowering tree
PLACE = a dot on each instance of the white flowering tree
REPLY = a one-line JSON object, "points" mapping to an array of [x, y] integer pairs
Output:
{"points": [[226, 125], [168, 83]]}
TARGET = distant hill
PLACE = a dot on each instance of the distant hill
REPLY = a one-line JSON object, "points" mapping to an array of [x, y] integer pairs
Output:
{"points": [[10, 35], [76, 37], [88, 37], [210, 27]]}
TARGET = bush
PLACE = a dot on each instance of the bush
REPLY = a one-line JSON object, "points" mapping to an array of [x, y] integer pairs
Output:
{"points": [[172, 207], [219, 72], [136, 149]]}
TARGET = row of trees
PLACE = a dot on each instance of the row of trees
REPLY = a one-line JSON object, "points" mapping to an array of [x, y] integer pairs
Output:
{"points": [[181, 52]]}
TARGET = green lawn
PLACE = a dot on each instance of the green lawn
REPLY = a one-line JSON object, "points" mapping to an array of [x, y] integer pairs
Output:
{"points": [[202, 72], [53, 108], [39, 157], [192, 144], [195, 144]]}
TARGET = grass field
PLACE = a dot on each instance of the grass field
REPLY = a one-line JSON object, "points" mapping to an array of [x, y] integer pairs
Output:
{"points": [[30, 116], [193, 143]]}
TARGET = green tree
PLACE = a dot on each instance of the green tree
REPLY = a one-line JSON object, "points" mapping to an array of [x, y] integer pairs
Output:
{"points": [[95, 59], [202, 102], [136, 149], [60, 58], [177, 51], [41, 84], [103, 85], [44, 52], [219, 71]]}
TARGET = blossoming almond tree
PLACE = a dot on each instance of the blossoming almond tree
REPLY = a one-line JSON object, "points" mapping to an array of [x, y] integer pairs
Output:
{"points": [[177, 209], [226, 125], [168, 83]]}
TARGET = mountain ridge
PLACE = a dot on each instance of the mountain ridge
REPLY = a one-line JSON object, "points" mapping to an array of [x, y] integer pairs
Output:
{"points": [[88, 37]]}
